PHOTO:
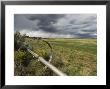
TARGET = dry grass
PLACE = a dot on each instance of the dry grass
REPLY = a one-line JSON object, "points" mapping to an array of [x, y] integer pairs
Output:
{"points": [[75, 57]]}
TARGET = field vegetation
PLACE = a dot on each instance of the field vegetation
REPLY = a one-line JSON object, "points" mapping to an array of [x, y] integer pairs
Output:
{"points": [[75, 57]]}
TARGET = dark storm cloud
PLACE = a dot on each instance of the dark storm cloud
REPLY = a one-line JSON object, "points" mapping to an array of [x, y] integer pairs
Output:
{"points": [[85, 35], [45, 17], [46, 21], [20, 22], [92, 30], [57, 25]]}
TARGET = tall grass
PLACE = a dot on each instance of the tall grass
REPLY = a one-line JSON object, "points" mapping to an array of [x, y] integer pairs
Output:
{"points": [[75, 57]]}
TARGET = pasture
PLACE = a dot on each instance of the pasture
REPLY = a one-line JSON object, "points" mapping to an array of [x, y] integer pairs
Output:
{"points": [[75, 57]]}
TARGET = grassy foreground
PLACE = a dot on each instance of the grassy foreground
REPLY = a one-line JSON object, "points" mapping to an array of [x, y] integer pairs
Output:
{"points": [[75, 57], [78, 56]]}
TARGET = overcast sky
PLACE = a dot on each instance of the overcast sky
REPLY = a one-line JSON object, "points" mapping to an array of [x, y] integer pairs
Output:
{"points": [[57, 25]]}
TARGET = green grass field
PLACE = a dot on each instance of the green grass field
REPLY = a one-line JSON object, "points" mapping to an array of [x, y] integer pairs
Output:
{"points": [[75, 57]]}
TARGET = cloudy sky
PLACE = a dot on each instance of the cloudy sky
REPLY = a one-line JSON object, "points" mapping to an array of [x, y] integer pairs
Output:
{"points": [[57, 25]]}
